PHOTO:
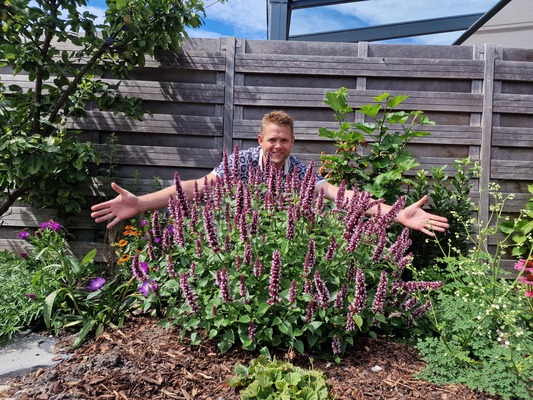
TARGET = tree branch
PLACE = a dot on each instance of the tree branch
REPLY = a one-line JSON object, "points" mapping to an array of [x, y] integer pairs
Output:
{"points": [[10, 198]]}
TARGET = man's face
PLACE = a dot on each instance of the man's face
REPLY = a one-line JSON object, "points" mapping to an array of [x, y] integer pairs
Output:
{"points": [[278, 141]]}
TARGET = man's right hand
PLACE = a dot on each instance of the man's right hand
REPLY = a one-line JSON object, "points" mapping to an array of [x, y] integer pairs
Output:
{"points": [[125, 205]]}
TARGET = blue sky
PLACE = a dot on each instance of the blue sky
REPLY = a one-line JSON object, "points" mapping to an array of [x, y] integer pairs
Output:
{"points": [[247, 18]]}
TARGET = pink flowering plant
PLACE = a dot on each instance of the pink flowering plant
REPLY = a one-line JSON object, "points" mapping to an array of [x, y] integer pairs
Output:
{"points": [[269, 263]]}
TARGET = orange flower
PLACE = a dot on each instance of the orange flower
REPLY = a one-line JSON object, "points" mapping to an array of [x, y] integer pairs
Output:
{"points": [[123, 259], [122, 243]]}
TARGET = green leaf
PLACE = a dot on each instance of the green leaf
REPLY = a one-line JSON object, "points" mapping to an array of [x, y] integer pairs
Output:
{"points": [[48, 307], [358, 320], [299, 346], [80, 337], [89, 257]]}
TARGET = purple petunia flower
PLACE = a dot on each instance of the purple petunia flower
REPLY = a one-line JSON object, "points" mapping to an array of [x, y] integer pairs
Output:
{"points": [[148, 286], [23, 235], [55, 226], [96, 284]]}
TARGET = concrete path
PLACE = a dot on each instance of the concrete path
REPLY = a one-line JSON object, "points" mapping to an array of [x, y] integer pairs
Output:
{"points": [[26, 353]]}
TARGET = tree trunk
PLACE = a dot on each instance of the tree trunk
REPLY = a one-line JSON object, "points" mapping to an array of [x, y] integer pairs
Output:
{"points": [[10, 197]]}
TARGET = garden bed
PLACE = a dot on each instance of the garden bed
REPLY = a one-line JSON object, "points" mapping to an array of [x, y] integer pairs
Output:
{"points": [[144, 361]]}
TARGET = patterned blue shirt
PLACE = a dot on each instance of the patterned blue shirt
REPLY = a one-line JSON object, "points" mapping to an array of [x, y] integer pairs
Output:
{"points": [[254, 156]]}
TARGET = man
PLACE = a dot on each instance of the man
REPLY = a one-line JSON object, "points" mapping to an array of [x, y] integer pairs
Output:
{"points": [[276, 138]]}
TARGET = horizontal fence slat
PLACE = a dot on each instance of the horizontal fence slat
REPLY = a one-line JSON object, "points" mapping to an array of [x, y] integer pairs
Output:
{"points": [[355, 66], [156, 123]]}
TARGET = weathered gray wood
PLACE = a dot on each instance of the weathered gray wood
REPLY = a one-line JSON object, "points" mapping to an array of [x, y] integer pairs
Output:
{"points": [[212, 94]]}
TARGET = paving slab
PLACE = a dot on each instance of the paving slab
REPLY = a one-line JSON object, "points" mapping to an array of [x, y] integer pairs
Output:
{"points": [[27, 352]]}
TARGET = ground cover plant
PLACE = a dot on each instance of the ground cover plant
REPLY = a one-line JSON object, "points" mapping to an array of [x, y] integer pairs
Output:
{"points": [[267, 378], [482, 318], [269, 263]]}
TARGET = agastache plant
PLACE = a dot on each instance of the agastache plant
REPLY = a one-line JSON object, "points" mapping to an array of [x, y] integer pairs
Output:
{"points": [[276, 264]]}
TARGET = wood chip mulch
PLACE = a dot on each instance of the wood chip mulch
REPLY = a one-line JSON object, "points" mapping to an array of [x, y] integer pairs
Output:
{"points": [[144, 361]]}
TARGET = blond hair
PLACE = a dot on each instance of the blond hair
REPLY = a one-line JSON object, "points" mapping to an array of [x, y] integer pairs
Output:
{"points": [[277, 117]]}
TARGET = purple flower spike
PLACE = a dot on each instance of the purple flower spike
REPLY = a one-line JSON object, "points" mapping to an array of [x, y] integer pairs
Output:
{"points": [[310, 257], [275, 279], [139, 269], [24, 235], [379, 298], [336, 345], [96, 284], [251, 330], [170, 267], [322, 291], [292, 292], [190, 297], [224, 286], [360, 292], [243, 291]]}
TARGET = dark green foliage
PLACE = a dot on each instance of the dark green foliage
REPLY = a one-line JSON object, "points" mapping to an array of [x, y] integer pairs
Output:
{"points": [[44, 162], [372, 155]]}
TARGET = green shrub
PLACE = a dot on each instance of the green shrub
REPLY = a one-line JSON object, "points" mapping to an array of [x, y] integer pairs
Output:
{"points": [[380, 168], [267, 264], [20, 307]]}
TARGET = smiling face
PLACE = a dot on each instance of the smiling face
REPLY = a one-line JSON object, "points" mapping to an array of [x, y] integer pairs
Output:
{"points": [[278, 141]]}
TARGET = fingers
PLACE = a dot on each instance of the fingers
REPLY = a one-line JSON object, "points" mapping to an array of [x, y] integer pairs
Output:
{"points": [[113, 223]]}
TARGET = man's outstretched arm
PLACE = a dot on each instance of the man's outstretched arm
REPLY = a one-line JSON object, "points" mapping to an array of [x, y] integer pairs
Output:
{"points": [[127, 205], [413, 216]]}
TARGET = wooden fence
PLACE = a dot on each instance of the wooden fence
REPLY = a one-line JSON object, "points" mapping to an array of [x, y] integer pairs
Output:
{"points": [[212, 95]]}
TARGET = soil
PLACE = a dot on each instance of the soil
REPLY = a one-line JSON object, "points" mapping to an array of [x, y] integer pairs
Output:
{"points": [[144, 361]]}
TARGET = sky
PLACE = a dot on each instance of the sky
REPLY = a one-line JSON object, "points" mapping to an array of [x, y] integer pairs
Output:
{"points": [[247, 18]]}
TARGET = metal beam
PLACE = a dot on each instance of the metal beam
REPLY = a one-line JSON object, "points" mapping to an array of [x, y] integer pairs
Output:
{"points": [[278, 19], [297, 4], [394, 31]]}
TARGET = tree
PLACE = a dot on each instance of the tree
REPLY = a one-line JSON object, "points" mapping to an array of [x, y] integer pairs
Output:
{"points": [[43, 162]]}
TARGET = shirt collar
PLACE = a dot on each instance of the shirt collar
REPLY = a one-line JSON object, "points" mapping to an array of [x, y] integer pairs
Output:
{"points": [[285, 168]]}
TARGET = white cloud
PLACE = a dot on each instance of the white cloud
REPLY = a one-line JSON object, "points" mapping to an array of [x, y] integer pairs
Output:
{"points": [[248, 17], [204, 34], [99, 12]]}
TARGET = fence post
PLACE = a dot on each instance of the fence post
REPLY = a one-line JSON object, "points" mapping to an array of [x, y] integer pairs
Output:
{"points": [[229, 98], [486, 133]]}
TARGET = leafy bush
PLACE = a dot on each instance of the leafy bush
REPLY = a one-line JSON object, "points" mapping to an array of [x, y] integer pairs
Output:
{"points": [[450, 198], [372, 156], [65, 291], [519, 229], [273, 379], [267, 264], [380, 169], [482, 320]]}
